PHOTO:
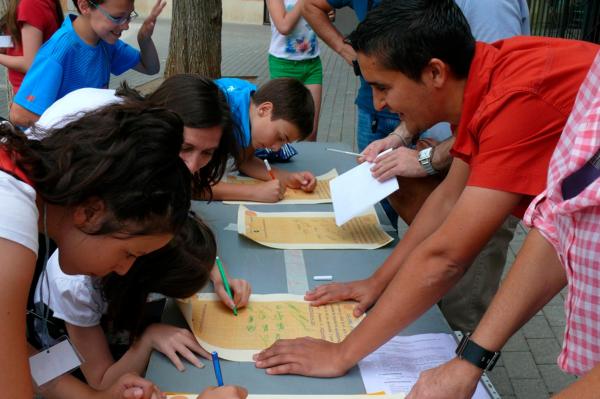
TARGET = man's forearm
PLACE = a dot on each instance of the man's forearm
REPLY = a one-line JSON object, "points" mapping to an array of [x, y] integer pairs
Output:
{"points": [[536, 277], [408, 288], [440, 257], [432, 214], [586, 387], [442, 159], [420, 282], [315, 13]]}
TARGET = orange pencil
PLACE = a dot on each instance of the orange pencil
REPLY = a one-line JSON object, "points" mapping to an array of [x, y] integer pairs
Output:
{"points": [[269, 170]]}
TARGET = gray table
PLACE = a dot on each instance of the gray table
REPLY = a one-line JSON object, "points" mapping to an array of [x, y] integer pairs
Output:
{"points": [[264, 268]]}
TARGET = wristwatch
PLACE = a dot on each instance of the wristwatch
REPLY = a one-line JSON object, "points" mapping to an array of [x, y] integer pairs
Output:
{"points": [[476, 355], [425, 157]]}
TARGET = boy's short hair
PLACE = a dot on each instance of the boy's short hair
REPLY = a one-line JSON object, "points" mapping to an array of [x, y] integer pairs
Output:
{"points": [[291, 101], [405, 35]]}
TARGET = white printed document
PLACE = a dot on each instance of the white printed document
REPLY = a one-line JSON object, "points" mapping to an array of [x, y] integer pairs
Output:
{"points": [[395, 367], [355, 191]]}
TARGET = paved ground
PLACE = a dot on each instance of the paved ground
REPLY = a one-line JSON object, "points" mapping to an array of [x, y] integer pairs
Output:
{"points": [[527, 368]]}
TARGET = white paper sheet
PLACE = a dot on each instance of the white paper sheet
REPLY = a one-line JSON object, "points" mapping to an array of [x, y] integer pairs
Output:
{"points": [[395, 367], [355, 191]]}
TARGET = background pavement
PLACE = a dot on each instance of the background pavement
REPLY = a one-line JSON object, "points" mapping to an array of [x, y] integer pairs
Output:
{"points": [[527, 368]]}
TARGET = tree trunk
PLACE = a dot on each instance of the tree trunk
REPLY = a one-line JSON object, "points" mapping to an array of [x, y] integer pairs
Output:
{"points": [[195, 38]]}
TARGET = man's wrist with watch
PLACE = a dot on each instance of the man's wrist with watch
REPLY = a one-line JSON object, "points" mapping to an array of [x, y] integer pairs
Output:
{"points": [[425, 158], [476, 355]]}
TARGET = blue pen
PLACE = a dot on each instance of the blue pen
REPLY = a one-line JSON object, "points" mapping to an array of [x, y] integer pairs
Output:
{"points": [[217, 366]]}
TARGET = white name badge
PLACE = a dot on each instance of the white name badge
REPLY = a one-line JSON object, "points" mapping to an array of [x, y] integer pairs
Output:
{"points": [[6, 41], [53, 362]]}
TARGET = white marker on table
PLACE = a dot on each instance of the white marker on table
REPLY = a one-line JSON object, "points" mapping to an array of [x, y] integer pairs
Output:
{"points": [[322, 278], [356, 154]]}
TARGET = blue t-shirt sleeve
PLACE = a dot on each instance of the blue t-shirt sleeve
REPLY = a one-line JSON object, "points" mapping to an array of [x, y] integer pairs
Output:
{"points": [[41, 85], [238, 93], [124, 57]]}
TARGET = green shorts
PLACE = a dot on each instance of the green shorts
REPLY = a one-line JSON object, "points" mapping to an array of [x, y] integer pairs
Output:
{"points": [[309, 72]]}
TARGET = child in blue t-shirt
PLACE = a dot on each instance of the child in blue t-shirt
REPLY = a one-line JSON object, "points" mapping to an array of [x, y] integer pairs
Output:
{"points": [[279, 112], [83, 53]]}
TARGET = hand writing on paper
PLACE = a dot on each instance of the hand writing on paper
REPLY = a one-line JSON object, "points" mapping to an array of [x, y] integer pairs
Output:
{"points": [[304, 356], [174, 342], [241, 292], [455, 379], [224, 392], [147, 28], [304, 181], [269, 191], [365, 292]]}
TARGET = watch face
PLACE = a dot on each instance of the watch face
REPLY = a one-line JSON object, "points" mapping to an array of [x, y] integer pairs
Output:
{"points": [[425, 154]]}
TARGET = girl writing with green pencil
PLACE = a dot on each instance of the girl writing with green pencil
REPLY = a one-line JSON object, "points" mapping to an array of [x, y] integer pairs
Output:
{"points": [[95, 311]]}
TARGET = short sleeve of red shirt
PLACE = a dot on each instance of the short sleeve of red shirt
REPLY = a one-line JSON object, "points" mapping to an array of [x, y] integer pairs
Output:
{"points": [[509, 144], [517, 99], [40, 14]]}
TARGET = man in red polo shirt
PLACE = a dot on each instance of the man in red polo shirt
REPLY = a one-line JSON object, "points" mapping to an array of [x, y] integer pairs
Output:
{"points": [[508, 102]]}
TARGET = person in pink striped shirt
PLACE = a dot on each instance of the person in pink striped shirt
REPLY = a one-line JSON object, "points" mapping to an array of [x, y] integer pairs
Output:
{"points": [[561, 249]]}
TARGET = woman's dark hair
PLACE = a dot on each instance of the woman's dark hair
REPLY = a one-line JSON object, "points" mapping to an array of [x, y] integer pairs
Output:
{"points": [[10, 25], [178, 270], [200, 104], [125, 154], [405, 35]]}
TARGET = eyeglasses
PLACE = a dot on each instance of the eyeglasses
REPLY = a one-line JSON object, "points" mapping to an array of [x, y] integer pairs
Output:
{"points": [[116, 21]]}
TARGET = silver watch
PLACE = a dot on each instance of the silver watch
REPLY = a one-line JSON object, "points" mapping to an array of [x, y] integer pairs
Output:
{"points": [[425, 157]]}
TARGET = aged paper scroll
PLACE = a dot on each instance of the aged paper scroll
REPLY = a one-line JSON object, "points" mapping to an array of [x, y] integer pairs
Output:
{"points": [[311, 230], [321, 195], [266, 319], [283, 396]]}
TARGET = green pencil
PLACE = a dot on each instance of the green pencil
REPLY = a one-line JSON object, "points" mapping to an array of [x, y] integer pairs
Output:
{"points": [[226, 283]]}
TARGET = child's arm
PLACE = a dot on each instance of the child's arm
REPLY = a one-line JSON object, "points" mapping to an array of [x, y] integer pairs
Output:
{"points": [[284, 21], [254, 167], [31, 41], [241, 289], [304, 180], [149, 63], [102, 371], [224, 392], [20, 116], [127, 387], [269, 191], [16, 273]]}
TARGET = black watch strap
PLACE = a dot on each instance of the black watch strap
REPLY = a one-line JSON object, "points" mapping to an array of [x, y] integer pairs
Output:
{"points": [[476, 355]]}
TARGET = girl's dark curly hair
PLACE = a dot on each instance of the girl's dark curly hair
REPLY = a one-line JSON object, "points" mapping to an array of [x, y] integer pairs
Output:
{"points": [[125, 154], [178, 270]]}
